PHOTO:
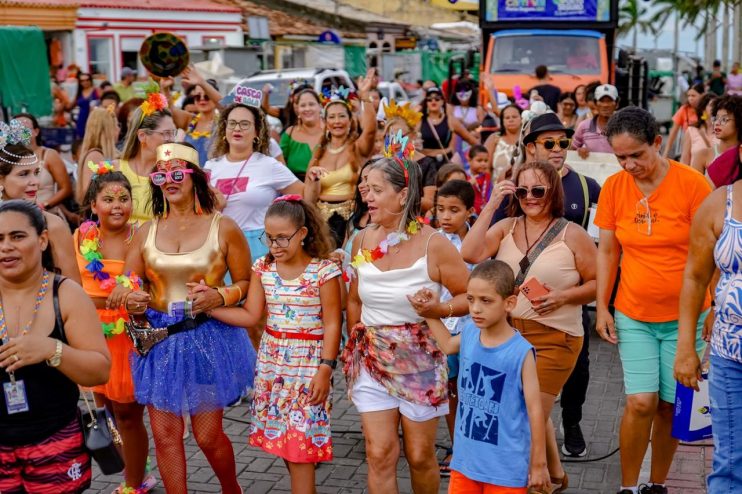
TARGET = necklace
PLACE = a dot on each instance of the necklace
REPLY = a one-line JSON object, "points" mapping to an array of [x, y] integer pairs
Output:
{"points": [[112, 320], [39, 297], [525, 263], [393, 239], [337, 150]]}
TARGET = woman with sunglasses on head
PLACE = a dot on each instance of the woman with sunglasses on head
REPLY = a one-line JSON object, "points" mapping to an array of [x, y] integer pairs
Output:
{"points": [[202, 365], [50, 345], [332, 175], [644, 215], [20, 170], [438, 128], [87, 93], [243, 172], [556, 259]]}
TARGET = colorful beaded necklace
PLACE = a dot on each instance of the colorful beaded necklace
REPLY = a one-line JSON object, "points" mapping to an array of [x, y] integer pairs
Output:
{"points": [[112, 320]]}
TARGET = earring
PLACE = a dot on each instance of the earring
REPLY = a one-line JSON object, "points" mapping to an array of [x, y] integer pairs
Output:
{"points": [[328, 135], [2, 189], [197, 204], [256, 142], [302, 242]]}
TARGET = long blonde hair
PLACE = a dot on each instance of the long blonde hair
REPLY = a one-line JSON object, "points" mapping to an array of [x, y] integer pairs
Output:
{"points": [[101, 132]]}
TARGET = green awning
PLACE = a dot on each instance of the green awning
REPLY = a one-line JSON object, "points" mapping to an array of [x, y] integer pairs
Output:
{"points": [[24, 71]]}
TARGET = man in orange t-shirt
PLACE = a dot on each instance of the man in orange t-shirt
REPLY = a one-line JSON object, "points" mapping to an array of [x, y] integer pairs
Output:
{"points": [[644, 214]]}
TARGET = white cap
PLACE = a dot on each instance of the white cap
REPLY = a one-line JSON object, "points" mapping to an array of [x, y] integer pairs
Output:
{"points": [[606, 90]]}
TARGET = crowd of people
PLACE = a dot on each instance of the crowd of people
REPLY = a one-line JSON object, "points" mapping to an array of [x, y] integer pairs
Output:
{"points": [[447, 271]]}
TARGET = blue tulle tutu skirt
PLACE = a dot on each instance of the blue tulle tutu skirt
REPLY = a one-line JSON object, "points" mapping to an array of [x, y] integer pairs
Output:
{"points": [[195, 371]]}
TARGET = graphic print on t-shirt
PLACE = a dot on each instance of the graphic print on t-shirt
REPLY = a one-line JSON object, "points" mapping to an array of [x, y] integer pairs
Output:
{"points": [[228, 186], [480, 394]]}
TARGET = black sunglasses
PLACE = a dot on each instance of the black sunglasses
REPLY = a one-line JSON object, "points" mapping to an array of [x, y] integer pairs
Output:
{"points": [[537, 191]]}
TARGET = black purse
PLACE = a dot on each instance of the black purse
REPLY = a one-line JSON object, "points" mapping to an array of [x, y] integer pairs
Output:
{"points": [[102, 439]]}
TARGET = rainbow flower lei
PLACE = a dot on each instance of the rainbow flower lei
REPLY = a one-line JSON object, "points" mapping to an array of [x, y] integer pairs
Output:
{"points": [[394, 238], [112, 320]]}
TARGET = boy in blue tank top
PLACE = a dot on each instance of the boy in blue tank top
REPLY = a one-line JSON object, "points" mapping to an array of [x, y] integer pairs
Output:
{"points": [[499, 445]]}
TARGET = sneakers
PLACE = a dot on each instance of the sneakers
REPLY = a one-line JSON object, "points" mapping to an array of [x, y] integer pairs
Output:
{"points": [[652, 489], [574, 442]]}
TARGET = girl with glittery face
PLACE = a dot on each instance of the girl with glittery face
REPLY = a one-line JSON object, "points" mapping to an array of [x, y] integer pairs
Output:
{"points": [[108, 200]]}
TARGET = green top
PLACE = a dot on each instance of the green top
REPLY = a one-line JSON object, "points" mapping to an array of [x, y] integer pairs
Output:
{"points": [[297, 154]]}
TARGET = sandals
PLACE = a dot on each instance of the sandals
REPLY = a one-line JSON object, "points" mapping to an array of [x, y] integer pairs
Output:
{"points": [[562, 482], [445, 466]]}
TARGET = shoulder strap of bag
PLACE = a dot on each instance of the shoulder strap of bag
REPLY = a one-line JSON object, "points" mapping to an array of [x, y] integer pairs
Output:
{"points": [[549, 237], [58, 280], [586, 197], [435, 134]]}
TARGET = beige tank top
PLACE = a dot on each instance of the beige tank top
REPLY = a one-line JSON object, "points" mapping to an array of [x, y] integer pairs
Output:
{"points": [[555, 267]]}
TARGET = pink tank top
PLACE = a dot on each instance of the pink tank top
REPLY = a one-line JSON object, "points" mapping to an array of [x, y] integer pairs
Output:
{"points": [[555, 267]]}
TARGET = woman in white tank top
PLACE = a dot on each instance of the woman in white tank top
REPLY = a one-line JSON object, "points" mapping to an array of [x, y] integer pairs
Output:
{"points": [[395, 370]]}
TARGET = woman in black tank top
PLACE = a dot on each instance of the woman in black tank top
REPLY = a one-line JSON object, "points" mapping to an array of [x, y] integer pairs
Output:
{"points": [[48, 348], [437, 128]]}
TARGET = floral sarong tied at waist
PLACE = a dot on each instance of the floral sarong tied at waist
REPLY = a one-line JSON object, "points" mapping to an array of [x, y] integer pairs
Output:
{"points": [[405, 359]]}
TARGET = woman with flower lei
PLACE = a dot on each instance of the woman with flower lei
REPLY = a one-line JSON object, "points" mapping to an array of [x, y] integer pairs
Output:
{"points": [[395, 370], [100, 253]]}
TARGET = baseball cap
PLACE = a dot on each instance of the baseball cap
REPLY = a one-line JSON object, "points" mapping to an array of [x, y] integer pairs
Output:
{"points": [[606, 90], [127, 71]]}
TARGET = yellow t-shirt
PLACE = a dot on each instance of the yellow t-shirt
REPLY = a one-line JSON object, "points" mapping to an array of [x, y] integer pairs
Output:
{"points": [[141, 195], [653, 260]]}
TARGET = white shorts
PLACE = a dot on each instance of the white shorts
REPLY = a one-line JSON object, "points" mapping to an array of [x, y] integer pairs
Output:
{"points": [[368, 395]]}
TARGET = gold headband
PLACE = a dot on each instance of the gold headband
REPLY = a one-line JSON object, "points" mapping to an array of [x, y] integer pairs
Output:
{"points": [[174, 150]]}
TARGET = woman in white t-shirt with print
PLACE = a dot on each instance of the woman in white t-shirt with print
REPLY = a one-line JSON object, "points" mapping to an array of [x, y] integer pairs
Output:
{"points": [[244, 173]]}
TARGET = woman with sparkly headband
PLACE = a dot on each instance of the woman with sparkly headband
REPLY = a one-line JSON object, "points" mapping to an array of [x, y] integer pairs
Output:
{"points": [[100, 249], [395, 370], [242, 171], [19, 179], [331, 177], [203, 365]]}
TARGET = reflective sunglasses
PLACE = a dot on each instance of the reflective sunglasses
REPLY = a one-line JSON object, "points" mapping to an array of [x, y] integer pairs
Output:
{"points": [[174, 176], [282, 242], [537, 192], [200, 97], [563, 143]]}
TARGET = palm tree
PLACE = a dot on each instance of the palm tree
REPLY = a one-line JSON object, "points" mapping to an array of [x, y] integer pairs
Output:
{"points": [[632, 17]]}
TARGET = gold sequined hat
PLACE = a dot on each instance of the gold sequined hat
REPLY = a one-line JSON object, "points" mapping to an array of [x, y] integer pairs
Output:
{"points": [[175, 150]]}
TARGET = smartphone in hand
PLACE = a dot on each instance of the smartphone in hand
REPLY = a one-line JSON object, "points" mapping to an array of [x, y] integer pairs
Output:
{"points": [[533, 289]]}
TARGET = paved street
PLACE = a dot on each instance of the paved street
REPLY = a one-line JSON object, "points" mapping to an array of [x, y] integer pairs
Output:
{"points": [[261, 473]]}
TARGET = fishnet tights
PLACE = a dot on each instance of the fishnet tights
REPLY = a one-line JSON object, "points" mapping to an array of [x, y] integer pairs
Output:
{"points": [[167, 429]]}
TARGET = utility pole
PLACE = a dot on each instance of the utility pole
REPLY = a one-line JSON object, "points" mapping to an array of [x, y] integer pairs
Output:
{"points": [[725, 37]]}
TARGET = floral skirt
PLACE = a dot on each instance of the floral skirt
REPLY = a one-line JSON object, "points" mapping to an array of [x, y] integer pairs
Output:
{"points": [[282, 422], [405, 359], [195, 371]]}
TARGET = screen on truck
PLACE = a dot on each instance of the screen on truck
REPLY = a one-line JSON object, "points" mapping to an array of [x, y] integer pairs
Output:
{"points": [[547, 10], [562, 54]]}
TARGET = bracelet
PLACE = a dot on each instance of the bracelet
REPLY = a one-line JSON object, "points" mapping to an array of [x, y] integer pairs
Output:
{"points": [[230, 294], [450, 310]]}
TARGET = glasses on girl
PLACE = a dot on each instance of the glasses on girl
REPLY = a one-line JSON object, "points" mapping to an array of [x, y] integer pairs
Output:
{"points": [[160, 178], [563, 143], [537, 192], [282, 242]]}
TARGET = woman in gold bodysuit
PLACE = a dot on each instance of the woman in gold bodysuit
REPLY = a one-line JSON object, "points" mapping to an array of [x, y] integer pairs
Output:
{"points": [[203, 365]]}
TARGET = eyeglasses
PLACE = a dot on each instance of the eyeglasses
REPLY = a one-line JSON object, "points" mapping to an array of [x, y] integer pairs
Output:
{"points": [[643, 217], [242, 124], [721, 120], [282, 242], [200, 97], [85, 80], [168, 135], [434, 99], [549, 144], [537, 192], [174, 176]]}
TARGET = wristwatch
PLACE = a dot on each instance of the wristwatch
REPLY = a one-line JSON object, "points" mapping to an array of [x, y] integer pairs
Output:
{"points": [[56, 359], [330, 363]]}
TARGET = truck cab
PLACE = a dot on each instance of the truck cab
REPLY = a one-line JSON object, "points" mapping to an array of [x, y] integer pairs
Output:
{"points": [[574, 39]]}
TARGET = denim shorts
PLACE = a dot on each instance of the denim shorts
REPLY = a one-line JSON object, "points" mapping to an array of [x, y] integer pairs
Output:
{"points": [[647, 351]]}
